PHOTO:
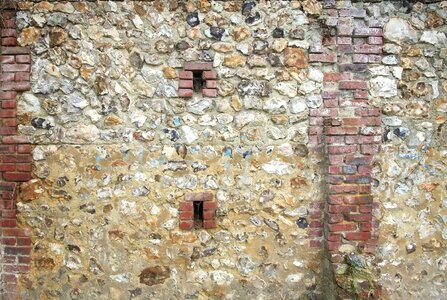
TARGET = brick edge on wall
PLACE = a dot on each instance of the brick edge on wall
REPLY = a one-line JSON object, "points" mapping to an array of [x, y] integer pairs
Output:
{"points": [[347, 130], [15, 157]]}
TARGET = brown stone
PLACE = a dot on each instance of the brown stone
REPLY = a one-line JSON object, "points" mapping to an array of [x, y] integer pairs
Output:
{"points": [[29, 36], [297, 182], [57, 37], [100, 85], [113, 120], [140, 10], [233, 6], [236, 103], [86, 72], [31, 190], [204, 6], [44, 263], [295, 57], [234, 61], [223, 47], [169, 72], [81, 6], [433, 20], [240, 33], [413, 51], [312, 7], [280, 119], [43, 6], [154, 275]]}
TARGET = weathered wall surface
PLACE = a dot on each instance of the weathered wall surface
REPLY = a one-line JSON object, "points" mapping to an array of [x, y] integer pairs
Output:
{"points": [[411, 171], [116, 150]]}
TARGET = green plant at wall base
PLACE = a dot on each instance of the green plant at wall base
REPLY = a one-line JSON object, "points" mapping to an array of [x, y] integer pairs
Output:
{"points": [[360, 277]]}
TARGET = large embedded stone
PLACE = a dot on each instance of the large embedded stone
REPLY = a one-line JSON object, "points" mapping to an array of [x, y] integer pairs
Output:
{"points": [[399, 30], [295, 57], [155, 275]]}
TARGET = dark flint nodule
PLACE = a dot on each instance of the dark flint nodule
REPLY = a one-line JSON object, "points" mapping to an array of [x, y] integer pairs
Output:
{"points": [[193, 19]]}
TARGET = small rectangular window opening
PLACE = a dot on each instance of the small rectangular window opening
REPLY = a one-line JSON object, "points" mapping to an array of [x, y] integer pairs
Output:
{"points": [[198, 213], [197, 81]]}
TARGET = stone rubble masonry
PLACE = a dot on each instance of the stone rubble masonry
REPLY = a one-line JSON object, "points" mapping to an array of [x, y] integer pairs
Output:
{"points": [[347, 130], [186, 82], [15, 156], [186, 209]]}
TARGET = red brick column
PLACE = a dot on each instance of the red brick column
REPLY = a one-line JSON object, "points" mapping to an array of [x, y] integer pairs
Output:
{"points": [[347, 129], [15, 156]]}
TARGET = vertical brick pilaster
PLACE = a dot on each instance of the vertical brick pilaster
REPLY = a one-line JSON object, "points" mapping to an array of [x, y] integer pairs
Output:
{"points": [[347, 129], [15, 157]]}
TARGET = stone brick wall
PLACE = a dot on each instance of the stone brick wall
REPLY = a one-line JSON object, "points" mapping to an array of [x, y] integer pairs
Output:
{"points": [[15, 157], [310, 164]]}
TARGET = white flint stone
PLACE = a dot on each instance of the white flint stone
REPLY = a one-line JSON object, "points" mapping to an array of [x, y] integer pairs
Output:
{"points": [[297, 105], [382, 86], [399, 30], [277, 167]]}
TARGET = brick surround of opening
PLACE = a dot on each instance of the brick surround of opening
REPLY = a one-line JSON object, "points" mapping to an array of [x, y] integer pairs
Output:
{"points": [[15, 157]]}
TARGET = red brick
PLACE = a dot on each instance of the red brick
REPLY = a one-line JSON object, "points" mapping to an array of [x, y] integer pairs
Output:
{"points": [[329, 40], [211, 84], [358, 160], [185, 225], [374, 59], [9, 213], [332, 246], [8, 223], [208, 224], [16, 67], [365, 189], [344, 30], [375, 40], [360, 58], [23, 59], [315, 232], [315, 244], [367, 32], [209, 214], [8, 113], [9, 278], [342, 208], [185, 93], [344, 40], [185, 75], [10, 95], [7, 32], [7, 167], [209, 92], [7, 59], [16, 158], [342, 149], [7, 130], [25, 148], [352, 12], [335, 218], [16, 85], [9, 241], [16, 139], [209, 75], [22, 76], [186, 84], [324, 112], [353, 85], [342, 227], [9, 41], [15, 50], [369, 121], [209, 205], [186, 215], [370, 149], [9, 103], [365, 208], [343, 189], [358, 199], [365, 169], [18, 177], [336, 159], [24, 241], [186, 206], [357, 236], [341, 130], [368, 49], [27, 167], [24, 260], [198, 66], [325, 58], [7, 77], [17, 250], [335, 199]]}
